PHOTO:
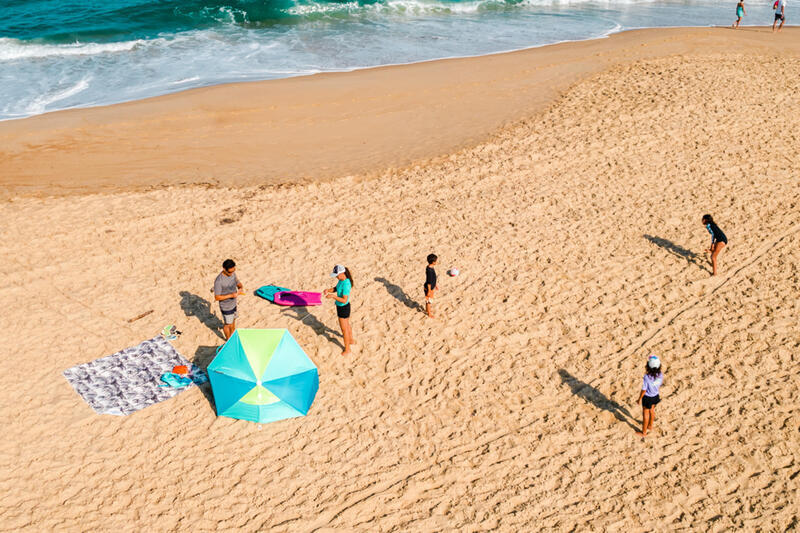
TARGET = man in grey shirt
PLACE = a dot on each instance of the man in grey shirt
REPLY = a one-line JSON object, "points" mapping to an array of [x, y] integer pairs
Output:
{"points": [[226, 289]]}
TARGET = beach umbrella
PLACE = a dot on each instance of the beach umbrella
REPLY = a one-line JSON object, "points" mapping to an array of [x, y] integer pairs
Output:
{"points": [[262, 375]]}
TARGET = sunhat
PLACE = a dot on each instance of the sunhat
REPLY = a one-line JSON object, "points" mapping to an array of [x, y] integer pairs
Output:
{"points": [[653, 362], [338, 269]]}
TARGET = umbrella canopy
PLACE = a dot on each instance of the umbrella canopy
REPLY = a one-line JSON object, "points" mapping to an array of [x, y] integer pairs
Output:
{"points": [[263, 375]]}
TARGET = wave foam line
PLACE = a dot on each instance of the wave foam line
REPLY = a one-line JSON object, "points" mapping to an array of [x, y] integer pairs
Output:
{"points": [[39, 105], [13, 49]]}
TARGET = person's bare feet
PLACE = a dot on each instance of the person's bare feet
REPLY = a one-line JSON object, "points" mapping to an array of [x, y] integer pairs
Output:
{"points": [[640, 434], [346, 352]]}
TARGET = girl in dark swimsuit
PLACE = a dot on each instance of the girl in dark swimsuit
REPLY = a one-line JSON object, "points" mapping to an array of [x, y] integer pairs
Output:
{"points": [[718, 241]]}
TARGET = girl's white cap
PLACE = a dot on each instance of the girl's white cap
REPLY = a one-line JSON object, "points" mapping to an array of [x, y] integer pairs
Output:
{"points": [[653, 362], [338, 269]]}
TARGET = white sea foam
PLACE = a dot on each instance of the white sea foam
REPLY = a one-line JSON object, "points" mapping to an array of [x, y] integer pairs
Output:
{"points": [[13, 49], [37, 77], [185, 80], [41, 103], [422, 7]]}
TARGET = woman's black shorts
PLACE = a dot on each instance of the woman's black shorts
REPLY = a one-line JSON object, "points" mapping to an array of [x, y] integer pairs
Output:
{"points": [[343, 311], [649, 402]]}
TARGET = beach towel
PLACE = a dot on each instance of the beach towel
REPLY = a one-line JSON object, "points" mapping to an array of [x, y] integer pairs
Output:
{"points": [[129, 380]]}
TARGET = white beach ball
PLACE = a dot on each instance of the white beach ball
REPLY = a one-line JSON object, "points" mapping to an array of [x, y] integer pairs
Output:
{"points": [[453, 272]]}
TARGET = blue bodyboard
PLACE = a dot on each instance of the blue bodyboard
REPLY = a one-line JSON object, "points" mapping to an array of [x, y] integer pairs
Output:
{"points": [[268, 292]]}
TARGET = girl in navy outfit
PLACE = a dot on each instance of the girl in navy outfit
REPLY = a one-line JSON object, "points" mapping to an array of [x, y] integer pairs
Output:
{"points": [[718, 241]]}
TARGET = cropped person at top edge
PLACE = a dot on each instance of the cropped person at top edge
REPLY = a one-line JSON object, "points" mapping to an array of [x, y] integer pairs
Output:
{"points": [[740, 12], [718, 241], [780, 14], [341, 296]]}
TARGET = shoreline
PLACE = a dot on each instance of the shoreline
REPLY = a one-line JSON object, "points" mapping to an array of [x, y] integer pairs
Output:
{"points": [[317, 127], [345, 71]]}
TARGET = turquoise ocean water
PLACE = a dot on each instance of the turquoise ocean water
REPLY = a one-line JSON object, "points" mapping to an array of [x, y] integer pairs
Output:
{"points": [[58, 54]]}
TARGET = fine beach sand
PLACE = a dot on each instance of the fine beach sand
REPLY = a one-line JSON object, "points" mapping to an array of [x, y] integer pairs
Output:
{"points": [[576, 228]]}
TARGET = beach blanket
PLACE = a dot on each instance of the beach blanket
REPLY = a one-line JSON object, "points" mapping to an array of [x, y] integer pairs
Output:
{"points": [[129, 380]]}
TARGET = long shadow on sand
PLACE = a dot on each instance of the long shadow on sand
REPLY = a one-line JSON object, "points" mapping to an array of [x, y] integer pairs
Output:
{"points": [[194, 305], [400, 295], [593, 396], [301, 314], [676, 250], [202, 358]]}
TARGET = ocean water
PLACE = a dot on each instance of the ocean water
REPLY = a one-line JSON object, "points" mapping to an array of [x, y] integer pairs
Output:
{"points": [[59, 54]]}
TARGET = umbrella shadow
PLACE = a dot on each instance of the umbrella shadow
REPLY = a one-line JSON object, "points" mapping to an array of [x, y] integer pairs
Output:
{"points": [[400, 295], [676, 250], [593, 396], [197, 306], [302, 314], [202, 358]]}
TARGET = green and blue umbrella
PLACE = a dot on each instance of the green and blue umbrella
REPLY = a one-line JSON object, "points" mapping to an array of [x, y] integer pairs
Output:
{"points": [[263, 375]]}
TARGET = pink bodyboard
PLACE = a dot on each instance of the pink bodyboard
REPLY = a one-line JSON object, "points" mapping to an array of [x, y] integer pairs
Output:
{"points": [[298, 298]]}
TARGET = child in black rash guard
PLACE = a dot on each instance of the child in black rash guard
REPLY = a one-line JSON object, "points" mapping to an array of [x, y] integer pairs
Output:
{"points": [[718, 241], [430, 284]]}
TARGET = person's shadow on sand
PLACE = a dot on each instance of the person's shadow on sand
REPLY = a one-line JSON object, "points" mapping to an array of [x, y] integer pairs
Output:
{"points": [[202, 358], [301, 314], [400, 295], [676, 250], [194, 305], [593, 396]]}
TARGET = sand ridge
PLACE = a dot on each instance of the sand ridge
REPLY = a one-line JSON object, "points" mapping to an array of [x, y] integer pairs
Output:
{"points": [[577, 232]]}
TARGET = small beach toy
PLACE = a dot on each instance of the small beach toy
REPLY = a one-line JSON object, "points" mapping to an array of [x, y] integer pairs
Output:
{"points": [[170, 332], [180, 369], [453, 272]]}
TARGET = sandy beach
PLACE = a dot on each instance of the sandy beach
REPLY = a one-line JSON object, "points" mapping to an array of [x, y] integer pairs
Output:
{"points": [[567, 185]]}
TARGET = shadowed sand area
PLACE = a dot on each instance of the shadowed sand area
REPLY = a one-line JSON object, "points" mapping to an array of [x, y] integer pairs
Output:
{"points": [[577, 232]]}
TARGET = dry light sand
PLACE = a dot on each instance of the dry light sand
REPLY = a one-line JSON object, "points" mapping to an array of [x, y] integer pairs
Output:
{"points": [[577, 232]]}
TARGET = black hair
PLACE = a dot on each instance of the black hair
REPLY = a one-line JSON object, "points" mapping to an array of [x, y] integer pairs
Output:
{"points": [[228, 264], [432, 258], [655, 372], [348, 276], [707, 219]]}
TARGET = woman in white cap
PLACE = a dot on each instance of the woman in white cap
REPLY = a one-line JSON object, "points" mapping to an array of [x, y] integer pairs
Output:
{"points": [[341, 296], [651, 384]]}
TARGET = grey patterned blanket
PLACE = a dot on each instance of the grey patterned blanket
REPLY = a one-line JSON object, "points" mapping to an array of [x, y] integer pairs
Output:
{"points": [[129, 380]]}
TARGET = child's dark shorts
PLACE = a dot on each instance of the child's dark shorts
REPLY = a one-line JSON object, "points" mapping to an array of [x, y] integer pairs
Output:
{"points": [[648, 402], [343, 311]]}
